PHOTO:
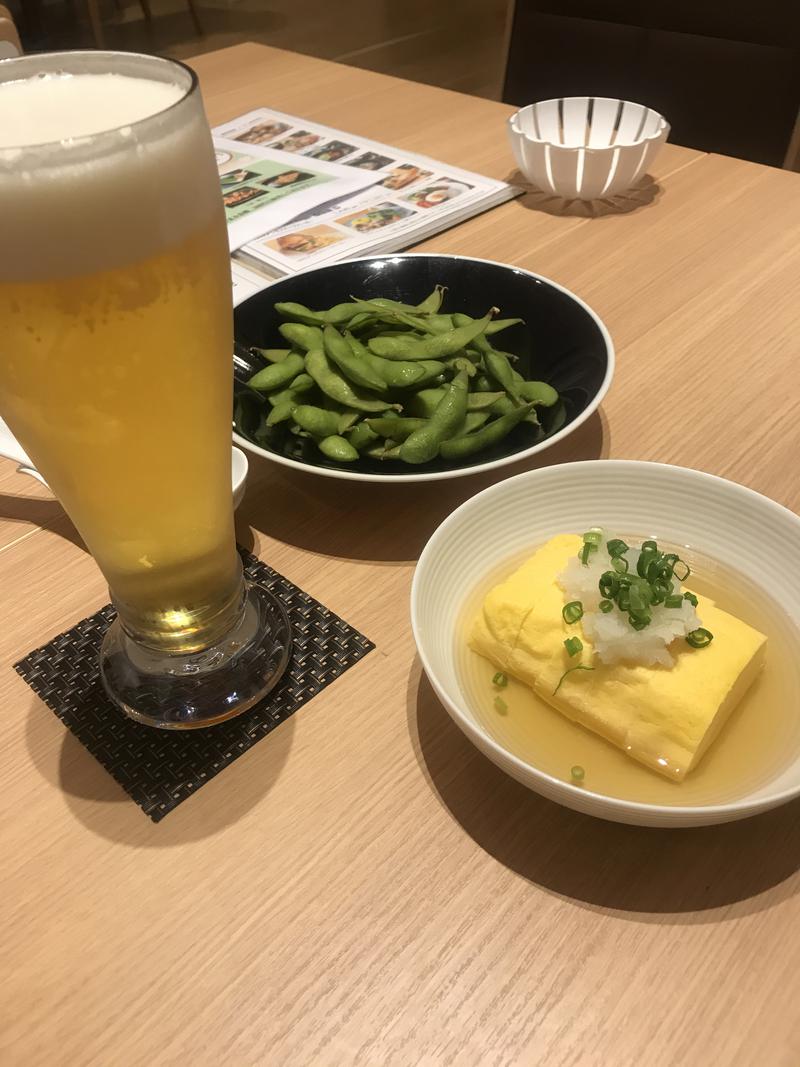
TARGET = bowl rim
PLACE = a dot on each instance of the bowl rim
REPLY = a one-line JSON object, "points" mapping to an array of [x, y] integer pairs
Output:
{"points": [[661, 133], [614, 808], [457, 472]]}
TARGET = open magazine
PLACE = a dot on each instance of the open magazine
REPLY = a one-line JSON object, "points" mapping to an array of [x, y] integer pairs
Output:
{"points": [[349, 196]]}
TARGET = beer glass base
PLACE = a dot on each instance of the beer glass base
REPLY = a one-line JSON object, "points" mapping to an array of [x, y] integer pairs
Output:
{"points": [[185, 692]]}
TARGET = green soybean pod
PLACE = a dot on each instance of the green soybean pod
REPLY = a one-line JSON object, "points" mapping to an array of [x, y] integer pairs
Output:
{"points": [[346, 420], [500, 324], [436, 346], [276, 375], [473, 420], [467, 445], [498, 367], [396, 375], [431, 304], [482, 401], [338, 388], [396, 429], [361, 436], [423, 444], [300, 336], [357, 370], [337, 448], [424, 403], [316, 421], [280, 412], [539, 393], [272, 355]]}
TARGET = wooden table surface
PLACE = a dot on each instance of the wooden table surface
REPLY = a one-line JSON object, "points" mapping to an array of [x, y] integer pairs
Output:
{"points": [[363, 887]]}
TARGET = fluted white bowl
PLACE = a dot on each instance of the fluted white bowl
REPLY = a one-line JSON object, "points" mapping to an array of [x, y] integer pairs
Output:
{"points": [[726, 522], [586, 147]]}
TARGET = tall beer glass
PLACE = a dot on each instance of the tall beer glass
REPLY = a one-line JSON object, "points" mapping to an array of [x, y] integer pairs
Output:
{"points": [[115, 368]]}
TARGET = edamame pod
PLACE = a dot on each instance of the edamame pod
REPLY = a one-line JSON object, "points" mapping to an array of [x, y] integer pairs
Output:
{"points": [[357, 370], [272, 355], [337, 448], [436, 346], [338, 388], [276, 375], [539, 393], [396, 429], [447, 419], [491, 434], [317, 421], [302, 337]]}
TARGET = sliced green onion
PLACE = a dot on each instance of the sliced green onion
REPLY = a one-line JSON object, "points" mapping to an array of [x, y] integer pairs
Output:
{"points": [[572, 612], [500, 705], [673, 602], [500, 680], [593, 536], [649, 546], [577, 773], [691, 598], [624, 599], [586, 551], [699, 638], [638, 603], [619, 564], [608, 584], [573, 645], [687, 570], [644, 561], [606, 606], [577, 667], [616, 548], [639, 622]]}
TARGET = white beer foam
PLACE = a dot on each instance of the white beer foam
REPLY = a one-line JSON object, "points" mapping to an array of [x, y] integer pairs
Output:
{"points": [[86, 185]]}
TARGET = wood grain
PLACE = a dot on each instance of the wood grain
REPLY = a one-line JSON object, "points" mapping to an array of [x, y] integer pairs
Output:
{"points": [[363, 887]]}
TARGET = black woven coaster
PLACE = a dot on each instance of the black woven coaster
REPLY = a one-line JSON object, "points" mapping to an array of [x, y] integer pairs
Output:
{"points": [[160, 768]]}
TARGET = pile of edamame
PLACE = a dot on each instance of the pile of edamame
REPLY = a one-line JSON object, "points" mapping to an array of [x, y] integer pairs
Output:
{"points": [[382, 380]]}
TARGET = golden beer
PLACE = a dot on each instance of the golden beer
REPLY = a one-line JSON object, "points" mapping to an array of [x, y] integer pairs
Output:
{"points": [[115, 358]]}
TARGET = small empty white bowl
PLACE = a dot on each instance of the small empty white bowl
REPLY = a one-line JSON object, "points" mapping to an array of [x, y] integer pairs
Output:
{"points": [[586, 147], [734, 526]]}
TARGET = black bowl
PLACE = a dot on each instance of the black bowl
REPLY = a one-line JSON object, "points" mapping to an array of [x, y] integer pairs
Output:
{"points": [[562, 342]]}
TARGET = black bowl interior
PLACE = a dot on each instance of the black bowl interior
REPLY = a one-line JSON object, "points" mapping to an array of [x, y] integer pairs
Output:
{"points": [[559, 342]]}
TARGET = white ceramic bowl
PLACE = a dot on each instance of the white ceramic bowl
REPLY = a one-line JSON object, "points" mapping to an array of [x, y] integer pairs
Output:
{"points": [[11, 449], [730, 524], [584, 147]]}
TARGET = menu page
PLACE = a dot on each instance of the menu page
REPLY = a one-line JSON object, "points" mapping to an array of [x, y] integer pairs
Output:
{"points": [[405, 196], [263, 188]]}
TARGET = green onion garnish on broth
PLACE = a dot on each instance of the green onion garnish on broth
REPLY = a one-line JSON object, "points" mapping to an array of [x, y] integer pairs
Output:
{"points": [[619, 564], [691, 598], [699, 638], [639, 622], [606, 606], [500, 705], [593, 536], [577, 773], [673, 601], [573, 645], [687, 570], [586, 551], [572, 612], [500, 680], [577, 667], [616, 548]]}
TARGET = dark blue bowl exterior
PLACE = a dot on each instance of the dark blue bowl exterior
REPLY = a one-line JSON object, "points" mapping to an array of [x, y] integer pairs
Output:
{"points": [[559, 342]]}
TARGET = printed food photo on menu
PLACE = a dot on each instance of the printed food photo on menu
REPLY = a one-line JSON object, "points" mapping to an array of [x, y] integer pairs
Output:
{"points": [[370, 161], [438, 193], [236, 197], [236, 177], [303, 242], [374, 217], [262, 132], [286, 178], [296, 141], [332, 151], [405, 174]]}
